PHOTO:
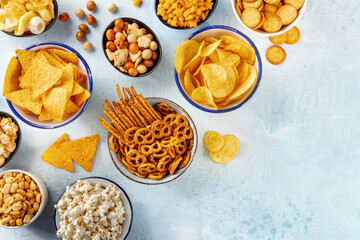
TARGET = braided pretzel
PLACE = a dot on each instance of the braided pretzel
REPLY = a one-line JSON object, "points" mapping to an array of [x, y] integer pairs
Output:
{"points": [[164, 163], [185, 160], [134, 158], [157, 175], [146, 150], [183, 132], [144, 136], [129, 135], [164, 109], [175, 164], [146, 168], [114, 144], [160, 129]]}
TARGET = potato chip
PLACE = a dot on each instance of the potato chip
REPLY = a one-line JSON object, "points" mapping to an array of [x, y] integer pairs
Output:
{"points": [[213, 141], [45, 14], [216, 77], [209, 49], [195, 64], [56, 157], [189, 86], [243, 71], [23, 99], [82, 150], [25, 57], [44, 76], [203, 94], [12, 74], [227, 58], [196, 57], [184, 53], [67, 57], [228, 151], [81, 98], [214, 57]]}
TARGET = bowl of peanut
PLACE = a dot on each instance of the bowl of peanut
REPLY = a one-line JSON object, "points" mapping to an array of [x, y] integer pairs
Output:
{"points": [[23, 198]]}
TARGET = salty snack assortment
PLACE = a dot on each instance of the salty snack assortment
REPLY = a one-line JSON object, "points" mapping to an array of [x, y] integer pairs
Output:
{"points": [[221, 149], [46, 83], [90, 211], [62, 152], [20, 199], [149, 142], [8, 136], [268, 15], [26, 17], [217, 71], [131, 48], [184, 13]]}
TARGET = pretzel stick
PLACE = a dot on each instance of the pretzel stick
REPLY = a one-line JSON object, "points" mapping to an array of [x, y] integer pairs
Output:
{"points": [[110, 128], [142, 119], [118, 108], [118, 125], [143, 112], [132, 113], [109, 105], [119, 92], [149, 107], [130, 124]]}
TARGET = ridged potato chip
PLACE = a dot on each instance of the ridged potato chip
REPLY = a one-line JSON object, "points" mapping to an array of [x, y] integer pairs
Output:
{"points": [[203, 94], [218, 82], [213, 141], [184, 53], [228, 151]]}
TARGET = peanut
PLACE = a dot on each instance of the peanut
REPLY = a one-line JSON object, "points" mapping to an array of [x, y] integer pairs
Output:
{"points": [[14, 187], [27, 218], [6, 189]]}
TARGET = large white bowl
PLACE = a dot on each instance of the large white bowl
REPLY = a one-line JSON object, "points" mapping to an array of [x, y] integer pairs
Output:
{"points": [[126, 226], [43, 191], [217, 31], [267, 34], [32, 119]]}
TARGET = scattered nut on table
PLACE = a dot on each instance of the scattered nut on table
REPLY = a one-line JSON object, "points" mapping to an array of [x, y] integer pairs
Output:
{"points": [[111, 7], [87, 46], [79, 13], [91, 5]]}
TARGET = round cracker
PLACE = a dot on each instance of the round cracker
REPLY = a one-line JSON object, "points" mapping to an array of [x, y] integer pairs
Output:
{"points": [[287, 13], [251, 17], [293, 35], [296, 3], [276, 55], [255, 4], [272, 22], [279, 39], [270, 8], [275, 2], [261, 22]]}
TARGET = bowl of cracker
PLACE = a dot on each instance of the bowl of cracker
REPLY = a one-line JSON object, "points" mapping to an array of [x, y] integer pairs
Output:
{"points": [[217, 69], [27, 18], [268, 17], [184, 14], [47, 85], [151, 140]]}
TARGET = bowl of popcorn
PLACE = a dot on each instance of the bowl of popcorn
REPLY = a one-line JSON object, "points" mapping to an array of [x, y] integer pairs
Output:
{"points": [[131, 47], [27, 18], [10, 138], [23, 198], [184, 14], [93, 208], [268, 17]]}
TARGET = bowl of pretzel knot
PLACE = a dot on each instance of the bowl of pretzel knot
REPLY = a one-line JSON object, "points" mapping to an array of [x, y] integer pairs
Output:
{"points": [[151, 140]]}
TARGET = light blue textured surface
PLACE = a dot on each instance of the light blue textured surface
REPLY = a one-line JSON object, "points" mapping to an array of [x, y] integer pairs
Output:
{"points": [[297, 173]]}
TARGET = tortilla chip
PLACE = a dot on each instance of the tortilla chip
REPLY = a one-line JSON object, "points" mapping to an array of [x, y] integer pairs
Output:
{"points": [[52, 60], [45, 115], [77, 89], [82, 150], [67, 79], [70, 108], [81, 98], [13, 72], [68, 57], [22, 98], [25, 57], [56, 157], [82, 78], [55, 101], [44, 76], [26, 79]]}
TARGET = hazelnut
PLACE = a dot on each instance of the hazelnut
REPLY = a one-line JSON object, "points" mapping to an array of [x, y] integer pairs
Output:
{"points": [[87, 46], [80, 36], [90, 19], [91, 5], [79, 13], [83, 27], [111, 7]]}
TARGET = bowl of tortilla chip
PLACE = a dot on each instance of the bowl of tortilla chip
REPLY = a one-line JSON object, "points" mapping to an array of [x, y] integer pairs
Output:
{"points": [[47, 85]]}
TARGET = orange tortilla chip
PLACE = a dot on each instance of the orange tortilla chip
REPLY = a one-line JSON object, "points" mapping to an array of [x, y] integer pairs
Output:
{"points": [[22, 98], [81, 98], [67, 57], [44, 76], [77, 89], [56, 157], [13, 72], [82, 78], [55, 101], [52, 60], [67, 79], [44, 115], [25, 57], [82, 150], [70, 108], [26, 79]]}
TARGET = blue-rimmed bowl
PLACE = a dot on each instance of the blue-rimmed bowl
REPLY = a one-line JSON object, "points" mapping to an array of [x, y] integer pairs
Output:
{"points": [[217, 31], [126, 226], [32, 119]]}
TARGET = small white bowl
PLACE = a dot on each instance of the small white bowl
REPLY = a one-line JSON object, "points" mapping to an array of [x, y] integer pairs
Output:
{"points": [[217, 31], [43, 191], [126, 226], [32, 119], [267, 34]]}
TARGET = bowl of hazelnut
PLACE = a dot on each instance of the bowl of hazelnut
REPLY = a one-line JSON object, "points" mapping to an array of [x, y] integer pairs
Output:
{"points": [[131, 47]]}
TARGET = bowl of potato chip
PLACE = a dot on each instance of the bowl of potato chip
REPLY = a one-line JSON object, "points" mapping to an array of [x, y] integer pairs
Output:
{"points": [[184, 14], [48, 85], [28, 17], [268, 17], [217, 68]]}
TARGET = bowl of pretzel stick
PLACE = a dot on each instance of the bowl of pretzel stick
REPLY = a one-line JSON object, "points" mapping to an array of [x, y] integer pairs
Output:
{"points": [[151, 140]]}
